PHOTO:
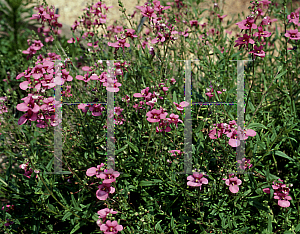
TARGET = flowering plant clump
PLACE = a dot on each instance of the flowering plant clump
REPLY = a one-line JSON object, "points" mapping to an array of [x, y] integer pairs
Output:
{"points": [[102, 133]]}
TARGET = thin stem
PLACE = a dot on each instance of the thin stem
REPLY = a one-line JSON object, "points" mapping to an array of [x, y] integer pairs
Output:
{"points": [[261, 100]]}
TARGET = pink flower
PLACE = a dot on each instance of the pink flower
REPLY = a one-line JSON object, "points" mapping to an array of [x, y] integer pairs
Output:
{"points": [[120, 43], [112, 85], [181, 105], [233, 183], [144, 93], [262, 33], [174, 119], [293, 18], [155, 115], [242, 41], [247, 24], [293, 34], [245, 163], [210, 94], [111, 227], [147, 11], [236, 135], [104, 212], [109, 176], [194, 23], [130, 33], [221, 17], [104, 189], [10, 208], [283, 199], [258, 51], [221, 130], [281, 193], [178, 153], [95, 171], [196, 180], [160, 38]]}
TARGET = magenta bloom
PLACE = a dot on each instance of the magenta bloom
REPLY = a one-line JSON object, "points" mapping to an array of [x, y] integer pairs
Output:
{"points": [[120, 43], [95, 171], [174, 119], [104, 212], [245, 163], [130, 33], [181, 105], [221, 17], [283, 199], [247, 24], [194, 23], [293, 18], [104, 189], [196, 180], [147, 11], [28, 104], [281, 193], [233, 183], [244, 41], [176, 153], [112, 85], [293, 34], [155, 115], [258, 51], [236, 135], [262, 33], [109, 176], [111, 227]]}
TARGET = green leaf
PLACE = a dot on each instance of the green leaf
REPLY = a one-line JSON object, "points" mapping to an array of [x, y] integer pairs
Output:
{"points": [[257, 204], [174, 97], [75, 228], [149, 183], [280, 75], [74, 201], [132, 146], [270, 228], [67, 216], [120, 150], [51, 207], [297, 228], [281, 154], [256, 125], [158, 227]]}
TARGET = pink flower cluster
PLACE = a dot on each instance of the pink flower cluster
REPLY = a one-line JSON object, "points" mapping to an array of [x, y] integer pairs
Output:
{"points": [[232, 131], [39, 79], [108, 176], [197, 179], [249, 24], [47, 14], [93, 16], [281, 193], [108, 226], [33, 48], [3, 108], [28, 173], [210, 92], [293, 34], [160, 116]]}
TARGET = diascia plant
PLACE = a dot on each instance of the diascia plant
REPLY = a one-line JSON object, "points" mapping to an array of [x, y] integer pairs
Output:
{"points": [[150, 189]]}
